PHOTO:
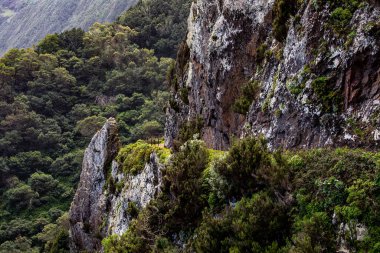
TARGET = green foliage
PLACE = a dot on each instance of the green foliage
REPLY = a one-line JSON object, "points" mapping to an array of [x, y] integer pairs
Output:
{"points": [[90, 125], [249, 167], [314, 234], [187, 131], [161, 25], [341, 13], [340, 19], [129, 242], [295, 88], [20, 245], [251, 226], [248, 94], [330, 99], [72, 40], [132, 210], [49, 45], [134, 157], [42, 183], [25, 163], [183, 179], [252, 200], [150, 129], [54, 97], [20, 196], [283, 10], [56, 235], [261, 52]]}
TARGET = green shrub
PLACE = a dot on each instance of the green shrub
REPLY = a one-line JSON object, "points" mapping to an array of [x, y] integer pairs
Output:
{"points": [[340, 19], [90, 125], [20, 197], [330, 99], [248, 94], [331, 192], [251, 226], [187, 131], [20, 244], [133, 157], [249, 167], [172, 77], [254, 200], [43, 183], [49, 45], [132, 209], [183, 181], [26, 163], [131, 241], [295, 88], [314, 234]]}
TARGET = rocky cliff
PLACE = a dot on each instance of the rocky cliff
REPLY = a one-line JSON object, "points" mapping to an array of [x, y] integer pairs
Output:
{"points": [[25, 22], [303, 77], [106, 199], [300, 73]]}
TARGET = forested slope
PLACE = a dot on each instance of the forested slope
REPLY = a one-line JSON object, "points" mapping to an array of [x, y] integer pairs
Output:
{"points": [[53, 98], [23, 22]]}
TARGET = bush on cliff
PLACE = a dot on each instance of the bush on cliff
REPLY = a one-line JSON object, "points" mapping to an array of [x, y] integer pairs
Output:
{"points": [[254, 200]]}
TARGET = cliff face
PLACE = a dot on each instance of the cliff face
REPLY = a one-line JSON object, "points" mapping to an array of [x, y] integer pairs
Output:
{"points": [[320, 86], [99, 207], [90, 203], [305, 79], [24, 22]]}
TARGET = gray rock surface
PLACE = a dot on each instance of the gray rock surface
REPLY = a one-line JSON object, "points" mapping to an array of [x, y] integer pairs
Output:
{"points": [[90, 203], [100, 206], [224, 40], [24, 22], [137, 190]]}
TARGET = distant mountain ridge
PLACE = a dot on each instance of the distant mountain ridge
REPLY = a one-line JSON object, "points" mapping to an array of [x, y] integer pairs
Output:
{"points": [[25, 22]]}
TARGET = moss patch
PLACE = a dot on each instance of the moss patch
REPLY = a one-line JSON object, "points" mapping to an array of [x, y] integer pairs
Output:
{"points": [[133, 157]]}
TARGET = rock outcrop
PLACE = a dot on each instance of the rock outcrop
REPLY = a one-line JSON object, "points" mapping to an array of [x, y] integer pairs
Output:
{"points": [[105, 194], [90, 203], [136, 192], [320, 86]]}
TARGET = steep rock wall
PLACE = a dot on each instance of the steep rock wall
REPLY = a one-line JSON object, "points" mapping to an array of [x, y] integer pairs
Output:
{"points": [[99, 208], [319, 87]]}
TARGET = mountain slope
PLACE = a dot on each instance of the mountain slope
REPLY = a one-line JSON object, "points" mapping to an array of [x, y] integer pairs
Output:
{"points": [[277, 74], [23, 22]]}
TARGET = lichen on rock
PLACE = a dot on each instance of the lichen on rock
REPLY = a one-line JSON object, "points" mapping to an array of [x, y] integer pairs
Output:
{"points": [[233, 42]]}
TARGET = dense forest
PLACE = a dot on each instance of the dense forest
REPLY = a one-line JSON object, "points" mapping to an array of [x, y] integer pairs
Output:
{"points": [[56, 95]]}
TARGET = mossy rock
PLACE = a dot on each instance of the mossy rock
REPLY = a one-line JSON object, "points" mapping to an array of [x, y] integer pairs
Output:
{"points": [[133, 157]]}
